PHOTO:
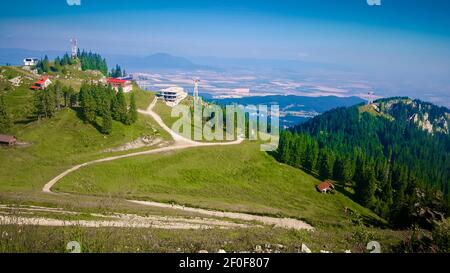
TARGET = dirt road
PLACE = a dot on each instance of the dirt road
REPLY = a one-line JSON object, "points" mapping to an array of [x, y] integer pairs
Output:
{"points": [[180, 143], [32, 215], [288, 223]]}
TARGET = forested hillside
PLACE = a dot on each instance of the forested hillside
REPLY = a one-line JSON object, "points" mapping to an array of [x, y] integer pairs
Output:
{"points": [[87, 61], [394, 154]]}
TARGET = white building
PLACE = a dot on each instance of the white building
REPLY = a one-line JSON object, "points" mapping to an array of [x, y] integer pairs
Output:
{"points": [[126, 85], [30, 61], [42, 83], [172, 95]]}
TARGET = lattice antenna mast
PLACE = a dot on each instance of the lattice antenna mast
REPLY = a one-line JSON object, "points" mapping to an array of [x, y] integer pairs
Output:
{"points": [[196, 83], [370, 97], [74, 47]]}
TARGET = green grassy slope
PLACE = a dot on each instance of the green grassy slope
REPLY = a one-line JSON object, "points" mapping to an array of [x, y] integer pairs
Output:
{"points": [[234, 178], [19, 100], [57, 144], [53, 145]]}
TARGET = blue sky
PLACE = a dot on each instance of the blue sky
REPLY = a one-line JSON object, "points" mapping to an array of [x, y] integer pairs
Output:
{"points": [[272, 28], [401, 38]]}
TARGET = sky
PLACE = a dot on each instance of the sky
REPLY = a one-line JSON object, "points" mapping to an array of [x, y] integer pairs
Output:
{"points": [[404, 40]]}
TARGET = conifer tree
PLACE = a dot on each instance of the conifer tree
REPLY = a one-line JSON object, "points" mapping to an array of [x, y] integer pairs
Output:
{"points": [[325, 164], [132, 110], [121, 107], [312, 151], [87, 103], [106, 127]]}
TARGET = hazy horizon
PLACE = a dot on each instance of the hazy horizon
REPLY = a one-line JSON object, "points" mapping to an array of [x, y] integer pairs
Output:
{"points": [[399, 47]]}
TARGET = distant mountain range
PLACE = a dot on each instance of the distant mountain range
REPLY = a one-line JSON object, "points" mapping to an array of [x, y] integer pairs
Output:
{"points": [[164, 61], [154, 62], [272, 66], [295, 109]]}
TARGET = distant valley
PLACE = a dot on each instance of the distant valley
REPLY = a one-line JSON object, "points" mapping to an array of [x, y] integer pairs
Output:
{"points": [[295, 109]]}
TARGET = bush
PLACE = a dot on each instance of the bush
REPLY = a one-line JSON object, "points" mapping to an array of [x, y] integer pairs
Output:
{"points": [[420, 241], [441, 237]]}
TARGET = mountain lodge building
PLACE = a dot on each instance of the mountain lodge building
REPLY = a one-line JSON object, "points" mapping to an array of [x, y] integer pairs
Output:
{"points": [[41, 84], [115, 83]]}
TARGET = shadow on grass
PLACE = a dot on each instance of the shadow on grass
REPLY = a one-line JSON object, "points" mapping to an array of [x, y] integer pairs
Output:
{"points": [[25, 121], [79, 115]]}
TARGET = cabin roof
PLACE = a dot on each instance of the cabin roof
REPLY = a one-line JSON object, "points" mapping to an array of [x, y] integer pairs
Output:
{"points": [[114, 80], [325, 185], [7, 138]]}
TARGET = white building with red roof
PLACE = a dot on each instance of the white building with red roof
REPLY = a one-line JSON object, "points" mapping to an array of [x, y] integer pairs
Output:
{"points": [[127, 85], [42, 83]]}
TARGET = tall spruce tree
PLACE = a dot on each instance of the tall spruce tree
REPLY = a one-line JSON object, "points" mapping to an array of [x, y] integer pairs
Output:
{"points": [[45, 103], [312, 153], [121, 107], [87, 103], [57, 90], [106, 122], [366, 184], [325, 166], [132, 110], [339, 169]]}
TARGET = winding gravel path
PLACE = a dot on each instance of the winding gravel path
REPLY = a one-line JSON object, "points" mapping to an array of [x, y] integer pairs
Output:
{"points": [[180, 143]]}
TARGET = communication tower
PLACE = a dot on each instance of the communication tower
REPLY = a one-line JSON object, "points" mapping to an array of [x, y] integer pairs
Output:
{"points": [[370, 97], [74, 47], [196, 83]]}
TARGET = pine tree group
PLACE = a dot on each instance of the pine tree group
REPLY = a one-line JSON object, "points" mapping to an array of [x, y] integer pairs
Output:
{"points": [[97, 100]]}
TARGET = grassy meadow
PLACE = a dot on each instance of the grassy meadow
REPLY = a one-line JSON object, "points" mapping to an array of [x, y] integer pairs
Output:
{"points": [[231, 178], [51, 146], [129, 240], [165, 112]]}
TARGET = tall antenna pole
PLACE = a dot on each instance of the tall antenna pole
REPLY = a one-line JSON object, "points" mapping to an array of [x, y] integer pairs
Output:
{"points": [[74, 49], [370, 97], [196, 82]]}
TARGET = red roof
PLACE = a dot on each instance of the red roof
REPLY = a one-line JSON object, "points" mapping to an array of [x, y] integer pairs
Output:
{"points": [[113, 80], [7, 139], [325, 185], [42, 80]]}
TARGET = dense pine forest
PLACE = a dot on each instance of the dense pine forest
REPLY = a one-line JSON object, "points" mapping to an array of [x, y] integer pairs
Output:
{"points": [[394, 156]]}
